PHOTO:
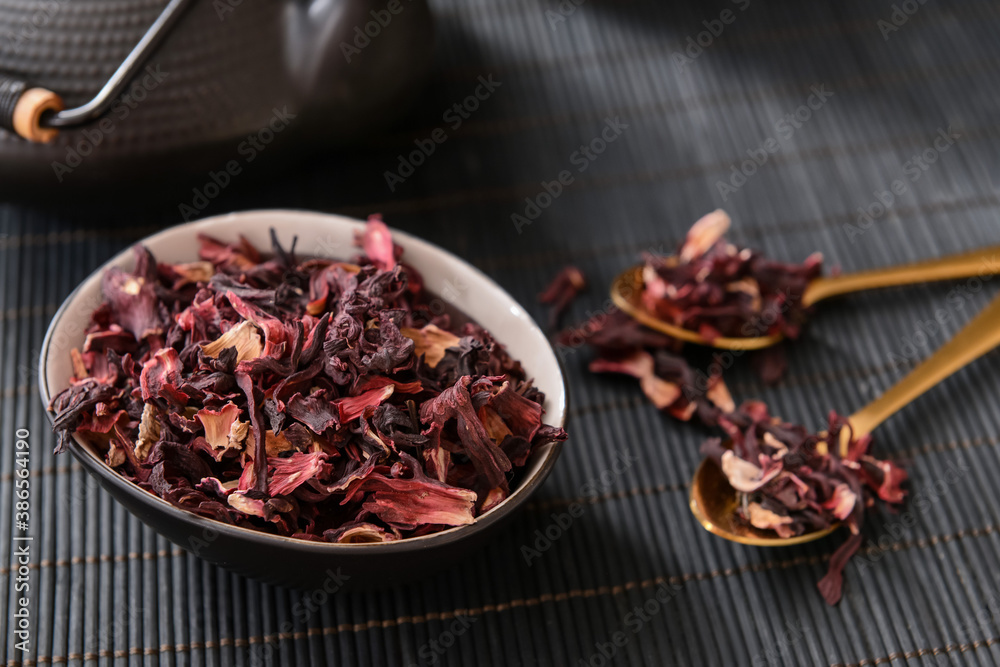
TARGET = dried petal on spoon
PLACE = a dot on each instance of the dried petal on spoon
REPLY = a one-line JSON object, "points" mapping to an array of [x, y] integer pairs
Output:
{"points": [[718, 289], [794, 482]]}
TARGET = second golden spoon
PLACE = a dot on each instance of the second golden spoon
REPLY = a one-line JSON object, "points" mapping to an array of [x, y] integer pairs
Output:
{"points": [[626, 291]]}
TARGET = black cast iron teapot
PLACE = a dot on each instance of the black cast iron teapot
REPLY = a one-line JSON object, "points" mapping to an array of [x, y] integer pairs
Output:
{"points": [[106, 91]]}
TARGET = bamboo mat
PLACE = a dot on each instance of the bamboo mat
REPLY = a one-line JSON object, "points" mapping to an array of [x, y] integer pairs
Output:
{"points": [[105, 588]]}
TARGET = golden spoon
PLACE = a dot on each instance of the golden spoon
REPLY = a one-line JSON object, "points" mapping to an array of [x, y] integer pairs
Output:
{"points": [[626, 291], [714, 501]]}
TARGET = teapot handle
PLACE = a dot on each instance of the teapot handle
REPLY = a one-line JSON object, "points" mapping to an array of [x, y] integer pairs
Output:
{"points": [[36, 114]]}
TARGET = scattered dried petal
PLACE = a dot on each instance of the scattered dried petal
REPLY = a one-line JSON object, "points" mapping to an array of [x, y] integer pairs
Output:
{"points": [[561, 292], [704, 234], [640, 365]]}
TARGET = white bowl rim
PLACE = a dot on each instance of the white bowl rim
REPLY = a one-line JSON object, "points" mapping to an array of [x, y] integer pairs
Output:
{"points": [[548, 452]]}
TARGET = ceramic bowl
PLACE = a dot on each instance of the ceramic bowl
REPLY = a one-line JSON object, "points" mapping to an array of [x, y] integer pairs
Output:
{"points": [[283, 560]]}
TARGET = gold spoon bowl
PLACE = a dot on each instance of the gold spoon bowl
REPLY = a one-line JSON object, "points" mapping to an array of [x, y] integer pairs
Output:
{"points": [[626, 292], [714, 502]]}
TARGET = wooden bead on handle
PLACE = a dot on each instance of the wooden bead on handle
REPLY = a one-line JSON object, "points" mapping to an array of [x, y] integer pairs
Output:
{"points": [[28, 114]]}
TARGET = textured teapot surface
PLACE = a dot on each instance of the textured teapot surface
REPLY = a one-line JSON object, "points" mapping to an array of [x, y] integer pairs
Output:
{"points": [[232, 76]]}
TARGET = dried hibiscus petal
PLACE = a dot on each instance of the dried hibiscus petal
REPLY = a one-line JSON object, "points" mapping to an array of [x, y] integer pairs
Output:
{"points": [[640, 365], [377, 243], [669, 384], [453, 407], [316, 411], [223, 429], [361, 532], [431, 342], [132, 300], [408, 497], [149, 432], [561, 292], [244, 337], [290, 473], [161, 375]]}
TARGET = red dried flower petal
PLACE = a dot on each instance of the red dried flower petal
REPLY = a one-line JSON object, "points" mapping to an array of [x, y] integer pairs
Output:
{"points": [[704, 234], [361, 533], [161, 376], [377, 244], [431, 342], [223, 429], [132, 299], [454, 404], [640, 365], [355, 406], [561, 292], [288, 474], [316, 412], [831, 585]]}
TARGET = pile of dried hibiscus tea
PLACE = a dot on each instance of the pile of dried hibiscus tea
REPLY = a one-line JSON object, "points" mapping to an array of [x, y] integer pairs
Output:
{"points": [[718, 289], [311, 398], [790, 480], [794, 482]]}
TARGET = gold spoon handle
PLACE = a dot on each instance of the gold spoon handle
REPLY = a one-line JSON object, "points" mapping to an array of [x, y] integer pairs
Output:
{"points": [[980, 262], [977, 338]]}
